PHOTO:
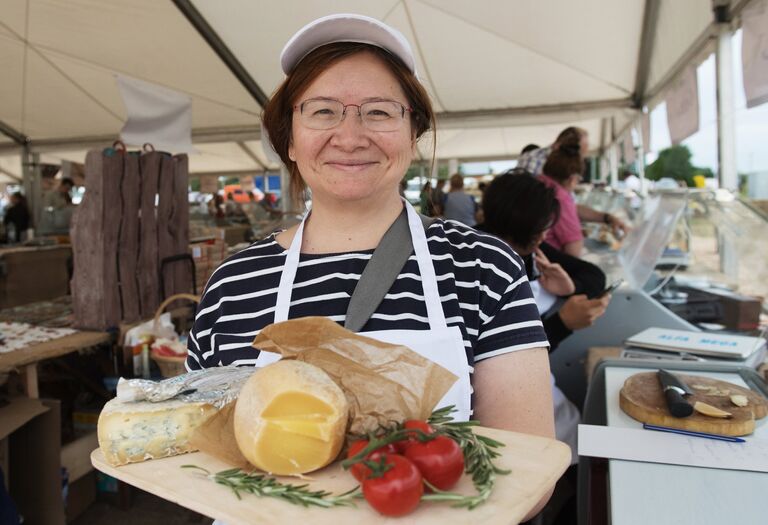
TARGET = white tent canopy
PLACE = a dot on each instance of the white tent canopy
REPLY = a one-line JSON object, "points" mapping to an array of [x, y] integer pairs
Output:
{"points": [[502, 74]]}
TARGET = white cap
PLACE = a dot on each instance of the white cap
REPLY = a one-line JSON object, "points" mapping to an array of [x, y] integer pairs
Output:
{"points": [[345, 28]]}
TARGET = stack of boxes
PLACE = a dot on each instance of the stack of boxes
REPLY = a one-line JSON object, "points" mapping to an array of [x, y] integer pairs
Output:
{"points": [[208, 255]]}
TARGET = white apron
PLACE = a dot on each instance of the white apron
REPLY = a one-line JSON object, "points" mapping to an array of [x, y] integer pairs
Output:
{"points": [[442, 344]]}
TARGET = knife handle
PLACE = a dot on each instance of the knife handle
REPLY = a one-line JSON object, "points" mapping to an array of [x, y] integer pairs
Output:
{"points": [[677, 404]]}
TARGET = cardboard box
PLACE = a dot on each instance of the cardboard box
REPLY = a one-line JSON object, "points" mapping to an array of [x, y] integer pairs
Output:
{"points": [[80, 496], [32, 429]]}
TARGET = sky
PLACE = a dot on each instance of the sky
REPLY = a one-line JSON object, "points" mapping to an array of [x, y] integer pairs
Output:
{"points": [[751, 126]]}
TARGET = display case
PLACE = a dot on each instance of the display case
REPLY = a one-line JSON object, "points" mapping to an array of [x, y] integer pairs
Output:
{"points": [[694, 260]]}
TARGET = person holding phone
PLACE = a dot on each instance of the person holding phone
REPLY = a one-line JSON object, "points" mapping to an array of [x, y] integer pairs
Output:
{"points": [[521, 210]]}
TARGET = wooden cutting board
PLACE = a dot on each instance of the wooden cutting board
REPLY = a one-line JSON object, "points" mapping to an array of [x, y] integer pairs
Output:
{"points": [[641, 398], [536, 463]]}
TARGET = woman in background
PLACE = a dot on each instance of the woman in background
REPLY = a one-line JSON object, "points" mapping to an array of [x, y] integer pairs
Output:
{"points": [[17, 218]]}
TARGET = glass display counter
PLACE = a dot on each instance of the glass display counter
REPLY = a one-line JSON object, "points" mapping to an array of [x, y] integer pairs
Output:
{"points": [[694, 260]]}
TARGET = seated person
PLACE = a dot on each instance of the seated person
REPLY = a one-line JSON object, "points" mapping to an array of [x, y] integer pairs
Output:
{"points": [[520, 211]]}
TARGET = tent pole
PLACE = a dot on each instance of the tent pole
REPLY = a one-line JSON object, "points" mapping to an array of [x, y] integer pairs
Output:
{"points": [[726, 129], [199, 22], [30, 169], [18, 137], [613, 155], [640, 161], [650, 21]]}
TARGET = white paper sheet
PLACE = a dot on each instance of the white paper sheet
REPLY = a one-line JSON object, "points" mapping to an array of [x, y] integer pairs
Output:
{"points": [[660, 447], [156, 115]]}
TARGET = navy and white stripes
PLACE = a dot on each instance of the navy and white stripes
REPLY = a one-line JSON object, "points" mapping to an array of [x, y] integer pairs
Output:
{"points": [[482, 284]]}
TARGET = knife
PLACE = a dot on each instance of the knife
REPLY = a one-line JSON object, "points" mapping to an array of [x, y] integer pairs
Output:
{"points": [[674, 389]]}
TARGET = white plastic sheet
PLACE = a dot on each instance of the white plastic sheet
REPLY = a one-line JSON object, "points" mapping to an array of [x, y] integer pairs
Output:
{"points": [[156, 115]]}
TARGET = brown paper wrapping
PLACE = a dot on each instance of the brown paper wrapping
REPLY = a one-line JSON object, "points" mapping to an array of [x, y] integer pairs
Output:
{"points": [[384, 383], [217, 437]]}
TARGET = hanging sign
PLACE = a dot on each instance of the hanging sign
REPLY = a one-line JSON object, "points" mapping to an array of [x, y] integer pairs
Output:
{"points": [[683, 106], [754, 52]]}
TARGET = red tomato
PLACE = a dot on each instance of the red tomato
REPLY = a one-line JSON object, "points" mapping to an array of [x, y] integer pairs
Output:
{"points": [[413, 424], [439, 460], [398, 491], [359, 470]]}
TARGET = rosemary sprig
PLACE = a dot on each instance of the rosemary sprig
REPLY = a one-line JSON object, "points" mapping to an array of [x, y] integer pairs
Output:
{"points": [[479, 453], [261, 485]]}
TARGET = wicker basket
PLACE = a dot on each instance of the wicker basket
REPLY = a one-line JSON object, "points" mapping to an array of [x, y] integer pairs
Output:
{"points": [[171, 366]]}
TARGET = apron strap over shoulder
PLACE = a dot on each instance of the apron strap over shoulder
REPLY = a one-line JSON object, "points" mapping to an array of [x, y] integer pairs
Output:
{"points": [[381, 271]]}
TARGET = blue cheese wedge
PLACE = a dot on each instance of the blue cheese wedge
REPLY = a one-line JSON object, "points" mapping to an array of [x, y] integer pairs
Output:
{"points": [[130, 432]]}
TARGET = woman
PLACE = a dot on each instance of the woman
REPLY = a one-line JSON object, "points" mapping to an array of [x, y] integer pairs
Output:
{"points": [[345, 122], [562, 171], [17, 218], [425, 200]]}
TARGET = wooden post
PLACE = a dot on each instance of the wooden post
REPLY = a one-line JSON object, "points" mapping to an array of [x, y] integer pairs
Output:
{"points": [[128, 247], [166, 227], [30, 381], [148, 267], [182, 271], [112, 174], [87, 249]]}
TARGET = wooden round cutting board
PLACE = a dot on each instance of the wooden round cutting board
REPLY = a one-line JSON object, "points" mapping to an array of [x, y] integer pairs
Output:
{"points": [[641, 398]]}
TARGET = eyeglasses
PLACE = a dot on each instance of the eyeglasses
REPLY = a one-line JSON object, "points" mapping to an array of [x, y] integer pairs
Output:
{"points": [[379, 115]]}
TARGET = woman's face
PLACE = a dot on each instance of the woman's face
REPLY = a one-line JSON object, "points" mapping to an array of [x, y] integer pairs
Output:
{"points": [[349, 162]]}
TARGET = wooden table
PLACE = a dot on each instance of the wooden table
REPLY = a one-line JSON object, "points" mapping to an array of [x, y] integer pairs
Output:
{"points": [[26, 359], [536, 463], [640, 493]]}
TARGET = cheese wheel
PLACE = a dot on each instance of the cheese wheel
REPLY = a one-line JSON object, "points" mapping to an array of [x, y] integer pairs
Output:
{"points": [[290, 418]]}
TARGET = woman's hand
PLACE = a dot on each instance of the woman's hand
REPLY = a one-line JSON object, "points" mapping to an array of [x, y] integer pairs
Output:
{"points": [[619, 227], [579, 312], [553, 278]]}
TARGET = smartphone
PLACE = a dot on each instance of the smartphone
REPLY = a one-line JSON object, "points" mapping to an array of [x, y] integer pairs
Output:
{"points": [[610, 289]]}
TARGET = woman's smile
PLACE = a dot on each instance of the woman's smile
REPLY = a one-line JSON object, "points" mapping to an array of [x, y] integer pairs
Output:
{"points": [[351, 166]]}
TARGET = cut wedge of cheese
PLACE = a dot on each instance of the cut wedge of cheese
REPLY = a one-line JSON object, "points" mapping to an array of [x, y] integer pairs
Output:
{"points": [[290, 418], [130, 432]]}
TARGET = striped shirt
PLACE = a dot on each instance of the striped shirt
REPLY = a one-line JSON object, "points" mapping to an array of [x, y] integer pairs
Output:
{"points": [[533, 161], [482, 284]]}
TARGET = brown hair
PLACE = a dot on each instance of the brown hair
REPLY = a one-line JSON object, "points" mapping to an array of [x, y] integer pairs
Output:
{"points": [[277, 117], [570, 134], [565, 159]]}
